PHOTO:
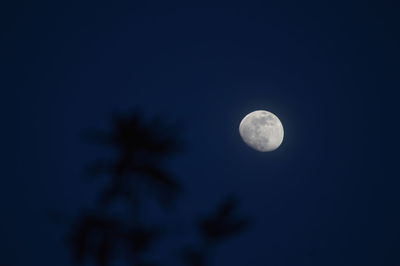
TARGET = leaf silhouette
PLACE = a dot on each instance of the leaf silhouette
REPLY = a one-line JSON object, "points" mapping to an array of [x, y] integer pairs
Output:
{"points": [[223, 223], [93, 235]]}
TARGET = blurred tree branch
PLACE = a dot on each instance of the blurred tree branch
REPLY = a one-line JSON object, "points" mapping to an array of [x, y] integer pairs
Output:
{"points": [[138, 173]]}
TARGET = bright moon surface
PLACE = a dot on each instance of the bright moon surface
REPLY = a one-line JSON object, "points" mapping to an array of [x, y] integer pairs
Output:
{"points": [[261, 130]]}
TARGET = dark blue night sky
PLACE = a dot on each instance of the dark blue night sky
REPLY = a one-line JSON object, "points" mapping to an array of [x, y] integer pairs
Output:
{"points": [[328, 196]]}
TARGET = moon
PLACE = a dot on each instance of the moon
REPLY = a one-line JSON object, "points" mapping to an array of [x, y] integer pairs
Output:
{"points": [[261, 130]]}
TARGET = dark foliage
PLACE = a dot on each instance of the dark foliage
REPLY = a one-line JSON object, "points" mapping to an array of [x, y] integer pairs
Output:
{"points": [[222, 224], [137, 173]]}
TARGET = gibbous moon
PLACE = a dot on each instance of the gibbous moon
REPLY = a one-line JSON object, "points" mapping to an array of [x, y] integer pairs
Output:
{"points": [[261, 130]]}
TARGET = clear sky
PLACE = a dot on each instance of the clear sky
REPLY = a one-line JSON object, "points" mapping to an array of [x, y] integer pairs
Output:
{"points": [[328, 196]]}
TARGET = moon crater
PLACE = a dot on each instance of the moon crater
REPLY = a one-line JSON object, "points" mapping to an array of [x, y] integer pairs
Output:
{"points": [[261, 130]]}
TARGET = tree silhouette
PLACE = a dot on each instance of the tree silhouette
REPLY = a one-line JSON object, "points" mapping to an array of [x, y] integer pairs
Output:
{"points": [[136, 174]]}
